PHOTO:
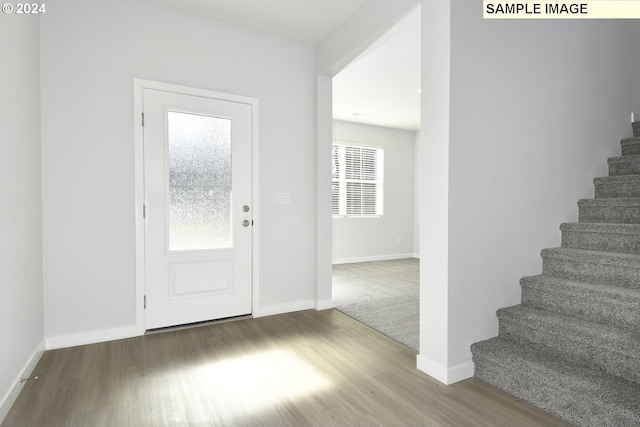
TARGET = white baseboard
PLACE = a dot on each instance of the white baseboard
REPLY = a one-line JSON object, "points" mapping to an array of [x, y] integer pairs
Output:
{"points": [[372, 258], [9, 399], [83, 338], [325, 305], [443, 373], [290, 307]]}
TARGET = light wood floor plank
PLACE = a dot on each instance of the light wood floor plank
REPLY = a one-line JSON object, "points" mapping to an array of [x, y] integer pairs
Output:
{"points": [[301, 369]]}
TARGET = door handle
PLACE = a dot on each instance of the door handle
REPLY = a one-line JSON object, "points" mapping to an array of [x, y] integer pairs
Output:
{"points": [[246, 223]]}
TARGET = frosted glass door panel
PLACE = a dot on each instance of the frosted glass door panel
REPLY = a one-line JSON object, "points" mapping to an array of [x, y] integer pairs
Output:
{"points": [[199, 182]]}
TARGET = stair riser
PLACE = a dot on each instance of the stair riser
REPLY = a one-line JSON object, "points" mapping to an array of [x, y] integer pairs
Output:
{"points": [[595, 355], [616, 190], [559, 401], [607, 310], [624, 168], [585, 271], [609, 214], [608, 242], [630, 149], [636, 129]]}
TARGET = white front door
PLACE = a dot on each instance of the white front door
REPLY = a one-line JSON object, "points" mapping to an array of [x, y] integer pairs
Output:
{"points": [[197, 184]]}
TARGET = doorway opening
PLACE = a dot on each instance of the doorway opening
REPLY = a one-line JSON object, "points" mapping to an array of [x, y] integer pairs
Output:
{"points": [[376, 101]]}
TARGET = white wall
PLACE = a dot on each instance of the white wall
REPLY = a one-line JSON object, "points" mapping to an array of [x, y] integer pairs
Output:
{"points": [[21, 323], [366, 239], [536, 109], [416, 195], [91, 51]]}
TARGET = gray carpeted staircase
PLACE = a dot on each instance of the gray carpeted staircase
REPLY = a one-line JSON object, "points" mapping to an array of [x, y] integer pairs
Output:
{"points": [[572, 347]]}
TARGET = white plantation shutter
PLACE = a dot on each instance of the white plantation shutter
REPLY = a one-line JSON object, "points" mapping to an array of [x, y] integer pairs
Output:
{"points": [[335, 198], [335, 185], [357, 180], [336, 161]]}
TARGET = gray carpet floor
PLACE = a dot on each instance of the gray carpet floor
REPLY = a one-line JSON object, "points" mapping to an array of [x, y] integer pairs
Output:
{"points": [[383, 295]]}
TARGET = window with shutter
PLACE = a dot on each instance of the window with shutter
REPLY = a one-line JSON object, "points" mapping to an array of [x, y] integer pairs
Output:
{"points": [[358, 174]]}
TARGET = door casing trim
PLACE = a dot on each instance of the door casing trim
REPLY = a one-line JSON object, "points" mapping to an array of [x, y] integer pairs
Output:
{"points": [[138, 86]]}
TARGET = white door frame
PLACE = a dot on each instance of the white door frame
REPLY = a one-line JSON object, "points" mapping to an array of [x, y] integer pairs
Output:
{"points": [[138, 86]]}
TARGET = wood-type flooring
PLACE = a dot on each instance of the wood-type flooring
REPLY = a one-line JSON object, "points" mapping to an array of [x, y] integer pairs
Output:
{"points": [[307, 368]]}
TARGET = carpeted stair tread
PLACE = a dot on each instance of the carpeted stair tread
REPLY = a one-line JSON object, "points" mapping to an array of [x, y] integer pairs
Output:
{"points": [[630, 146], [598, 346], [618, 210], [579, 395], [617, 186], [617, 269], [596, 302], [624, 165], [611, 237]]}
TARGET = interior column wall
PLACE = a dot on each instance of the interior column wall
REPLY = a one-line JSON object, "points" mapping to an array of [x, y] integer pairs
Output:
{"points": [[325, 126], [434, 193]]}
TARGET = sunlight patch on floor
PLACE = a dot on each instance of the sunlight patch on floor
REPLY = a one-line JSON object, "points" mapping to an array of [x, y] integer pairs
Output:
{"points": [[260, 378], [243, 385]]}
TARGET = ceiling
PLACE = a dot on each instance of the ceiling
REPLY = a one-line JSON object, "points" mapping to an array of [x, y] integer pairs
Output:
{"points": [[304, 21], [380, 86]]}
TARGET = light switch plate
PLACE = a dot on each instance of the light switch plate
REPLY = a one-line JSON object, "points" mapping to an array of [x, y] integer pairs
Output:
{"points": [[283, 198]]}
